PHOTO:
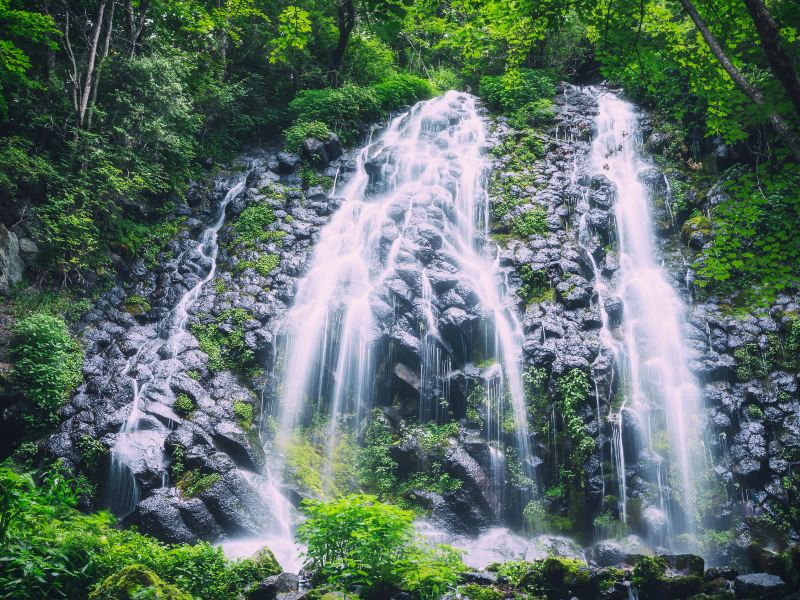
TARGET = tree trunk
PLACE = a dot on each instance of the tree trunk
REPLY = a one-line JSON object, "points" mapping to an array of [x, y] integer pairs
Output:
{"points": [[346, 21], [90, 64], [779, 61], [135, 24], [103, 56], [754, 94]]}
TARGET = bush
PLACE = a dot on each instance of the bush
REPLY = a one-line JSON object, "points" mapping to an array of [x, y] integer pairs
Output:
{"points": [[297, 133], [342, 109], [443, 80], [401, 90], [514, 89], [47, 365], [251, 225], [184, 405], [358, 542], [244, 414]]}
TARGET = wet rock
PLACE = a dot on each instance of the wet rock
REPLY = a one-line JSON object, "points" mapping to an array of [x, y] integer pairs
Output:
{"points": [[272, 586], [762, 586], [12, 266], [287, 162]]}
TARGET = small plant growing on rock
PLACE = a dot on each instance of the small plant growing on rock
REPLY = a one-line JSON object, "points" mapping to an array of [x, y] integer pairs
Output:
{"points": [[193, 483], [184, 405], [532, 222], [137, 305], [244, 414]]}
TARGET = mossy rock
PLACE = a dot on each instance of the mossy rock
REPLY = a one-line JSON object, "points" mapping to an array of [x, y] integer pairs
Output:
{"points": [[267, 564], [130, 582]]}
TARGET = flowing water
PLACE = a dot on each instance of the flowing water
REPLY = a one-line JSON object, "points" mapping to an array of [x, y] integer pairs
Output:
{"points": [[418, 195], [139, 446], [658, 391]]}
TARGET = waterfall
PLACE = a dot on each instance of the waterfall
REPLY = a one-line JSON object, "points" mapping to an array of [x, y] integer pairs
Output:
{"points": [[660, 394], [150, 370], [413, 223]]}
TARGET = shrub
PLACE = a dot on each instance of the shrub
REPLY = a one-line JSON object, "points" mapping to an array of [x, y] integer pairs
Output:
{"points": [[47, 365], [443, 80], [342, 109], [515, 89], [535, 285], [263, 265], [297, 133], [137, 305], [358, 542], [401, 90]]}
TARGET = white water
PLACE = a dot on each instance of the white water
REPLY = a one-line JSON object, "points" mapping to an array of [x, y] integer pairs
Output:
{"points": [[434, 177], [659, 390], [141, 440]]}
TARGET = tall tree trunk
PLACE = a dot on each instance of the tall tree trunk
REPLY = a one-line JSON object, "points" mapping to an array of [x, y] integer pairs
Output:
{"points": [[135, 24], [779, 61], [90, 64], [346, 21], [754, 94], [103, 56]]}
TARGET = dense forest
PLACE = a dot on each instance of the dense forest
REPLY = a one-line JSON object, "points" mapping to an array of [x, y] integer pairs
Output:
{"points": [[119, 117]]}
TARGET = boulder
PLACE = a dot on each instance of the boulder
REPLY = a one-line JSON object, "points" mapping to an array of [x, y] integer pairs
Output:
{"points": [[272, 586], [761, 586]]}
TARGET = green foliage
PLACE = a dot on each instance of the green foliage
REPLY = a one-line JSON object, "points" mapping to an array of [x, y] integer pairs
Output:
{"points": [[531, 222], [143, 240], [751, 362], [223, 341], [297, 133], [376, 467], [755, 411], [573, 388], [193, 483], [92, 450], [358, 542], [756, 249], [251, 226], [47, 366], [401, 90], [243, 411], [648, 572], [136, 582], [51, 550], [477, 592], [137, 305], [535, 286], [309, 178], [264, 265], [517, 90], [184, 405]]}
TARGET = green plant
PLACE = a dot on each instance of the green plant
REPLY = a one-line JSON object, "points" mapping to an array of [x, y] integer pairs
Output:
{"points": [[251, 225], [243, 411], [376, 467], [178, 466], [321, 466], [754, 411], [47, 366], [535, 286], [574, 389], [223, 341], [137, 305], [264, 265], [358, 542], [92, 450], [298, 131], [516, 89], [193, 483], [531, 222], [184, 405]]}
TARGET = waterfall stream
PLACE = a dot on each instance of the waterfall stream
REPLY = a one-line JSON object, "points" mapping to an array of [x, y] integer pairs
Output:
{"points": [[150, 370], [419, 192], [658, 392]]}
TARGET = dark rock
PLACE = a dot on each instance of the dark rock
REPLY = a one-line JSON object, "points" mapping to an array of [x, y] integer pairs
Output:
{"points": [[272, 586], [762, 586]]}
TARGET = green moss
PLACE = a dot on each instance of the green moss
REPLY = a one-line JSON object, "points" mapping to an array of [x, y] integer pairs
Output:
{"points": [[223, 341], [136, 582], [573, 389], [309, 178], [697, 223], [184, 405], [750, 362], [477, 592], [251, 225], [755, 412], [297, 133], [219, 286], [244, 414], [193, 483], [137, 305], [263, 265], [319, 470], [193, 374]]}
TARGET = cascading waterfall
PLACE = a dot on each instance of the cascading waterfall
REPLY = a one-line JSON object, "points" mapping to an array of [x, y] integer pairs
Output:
{"points": [[659, 391], [424, 177], [150, 371]]}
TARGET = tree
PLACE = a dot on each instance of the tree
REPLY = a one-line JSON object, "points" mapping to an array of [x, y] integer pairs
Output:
{"points": [[753, 93]]}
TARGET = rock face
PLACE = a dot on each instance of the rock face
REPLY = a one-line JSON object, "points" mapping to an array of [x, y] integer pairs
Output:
{"points": [[11, 264], [747, 365]]}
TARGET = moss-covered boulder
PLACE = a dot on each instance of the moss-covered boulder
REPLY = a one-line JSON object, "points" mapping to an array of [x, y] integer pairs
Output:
{"points": [[136, 581]]}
